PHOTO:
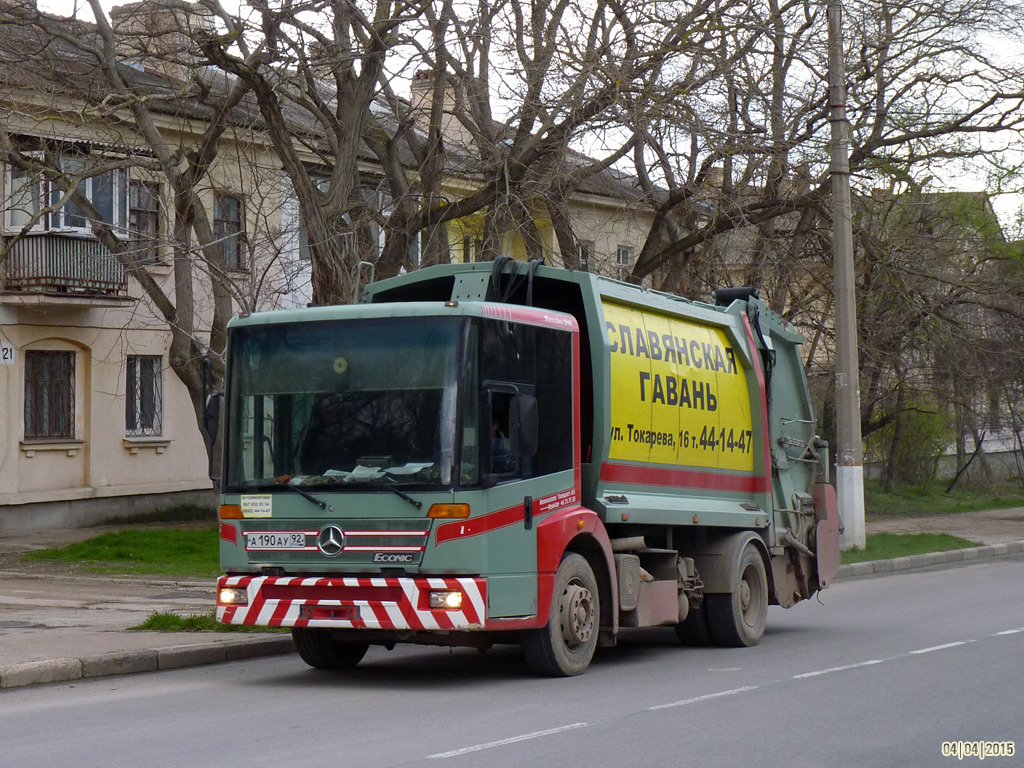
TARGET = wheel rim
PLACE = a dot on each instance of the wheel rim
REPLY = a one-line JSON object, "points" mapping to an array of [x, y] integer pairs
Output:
{"points": [[750, 593], [745, 595], [577, 615]]}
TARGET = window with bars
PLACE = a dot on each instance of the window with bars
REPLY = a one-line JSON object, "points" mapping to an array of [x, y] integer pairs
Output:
{"points": [[144, 219], [228, 229], [49, 394], [144, 399]]}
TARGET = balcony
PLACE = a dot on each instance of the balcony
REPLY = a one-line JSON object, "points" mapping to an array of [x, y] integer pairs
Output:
{"points": [[62, 270]]}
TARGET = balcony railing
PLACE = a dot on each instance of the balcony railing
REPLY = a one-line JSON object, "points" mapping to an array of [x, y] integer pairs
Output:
{"points": [[63, 264]]}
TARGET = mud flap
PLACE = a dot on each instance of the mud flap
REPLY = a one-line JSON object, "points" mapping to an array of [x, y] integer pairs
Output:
{"points": [[826, 512]]}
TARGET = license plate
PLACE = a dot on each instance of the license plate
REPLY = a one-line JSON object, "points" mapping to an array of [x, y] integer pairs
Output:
{"points": [[275, 540], [329, 612]]}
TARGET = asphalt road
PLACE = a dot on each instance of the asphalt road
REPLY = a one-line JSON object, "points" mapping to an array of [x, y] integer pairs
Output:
{"points": [[882, 674]]}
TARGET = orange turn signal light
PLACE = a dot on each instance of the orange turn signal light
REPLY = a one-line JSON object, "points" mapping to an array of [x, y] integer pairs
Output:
{"points": [[448, 511], [230, 512]]}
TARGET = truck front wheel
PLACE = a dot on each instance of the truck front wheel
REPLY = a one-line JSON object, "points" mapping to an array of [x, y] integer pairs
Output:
{"points": [[737, 619], [565, 646], [321, 649]]}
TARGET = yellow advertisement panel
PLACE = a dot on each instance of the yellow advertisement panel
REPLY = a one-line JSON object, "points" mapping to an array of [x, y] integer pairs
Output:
{"points": [[632, 411], [679, 392]]}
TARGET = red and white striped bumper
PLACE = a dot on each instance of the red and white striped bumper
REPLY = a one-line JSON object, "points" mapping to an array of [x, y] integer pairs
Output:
{"points": [[353, 603]]}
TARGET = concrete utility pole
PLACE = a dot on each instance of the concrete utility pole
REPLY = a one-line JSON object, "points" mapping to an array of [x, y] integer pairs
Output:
{"points": [[849, 453]]}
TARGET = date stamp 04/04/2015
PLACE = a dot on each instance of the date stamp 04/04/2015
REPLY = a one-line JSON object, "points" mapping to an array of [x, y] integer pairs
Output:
{"points": [[978, 749]]}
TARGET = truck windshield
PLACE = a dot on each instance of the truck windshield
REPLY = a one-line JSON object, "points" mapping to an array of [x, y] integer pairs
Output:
{"points": [[345, 403]]}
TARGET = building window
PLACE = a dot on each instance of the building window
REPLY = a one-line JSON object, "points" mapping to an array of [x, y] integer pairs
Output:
{"points": [[415, 248], [25, 200], [49, 394], [294, 229], [28, 194], [623, 261], [228, 230], [106, 191], [144, 399], [144, 220], [305, 252], [586, 250]]}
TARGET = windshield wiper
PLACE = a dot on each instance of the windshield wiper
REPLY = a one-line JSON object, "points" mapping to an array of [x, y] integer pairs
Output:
{"points": [[404, 495], [304, 494], [341, 484]]}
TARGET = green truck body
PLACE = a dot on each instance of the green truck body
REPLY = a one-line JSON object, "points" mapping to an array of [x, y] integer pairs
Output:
{"points": [[491, 453]]}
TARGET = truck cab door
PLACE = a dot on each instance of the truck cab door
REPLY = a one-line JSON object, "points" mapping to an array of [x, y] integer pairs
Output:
{"points": [[510, 489], [524, 408]]}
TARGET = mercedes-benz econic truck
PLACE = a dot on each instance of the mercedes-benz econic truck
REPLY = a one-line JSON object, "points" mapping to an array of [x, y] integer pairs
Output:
{"points": [[511, 453]]}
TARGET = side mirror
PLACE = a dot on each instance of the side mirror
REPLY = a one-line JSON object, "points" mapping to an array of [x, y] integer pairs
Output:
{"points": [[524, 423], [211, 414], [211, 417]]}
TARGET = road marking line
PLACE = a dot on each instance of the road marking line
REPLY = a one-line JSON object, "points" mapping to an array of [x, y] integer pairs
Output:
{"points": [[711, 696], [503, 742], [941, 647], [706, 697], [838, 669]]}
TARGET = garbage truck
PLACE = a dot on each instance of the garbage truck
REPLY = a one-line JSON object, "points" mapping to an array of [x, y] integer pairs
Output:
{"points": [[507, 452]]}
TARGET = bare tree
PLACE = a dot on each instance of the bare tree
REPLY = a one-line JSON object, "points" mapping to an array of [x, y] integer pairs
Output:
{"points": [[922, 89], [501, 92]]}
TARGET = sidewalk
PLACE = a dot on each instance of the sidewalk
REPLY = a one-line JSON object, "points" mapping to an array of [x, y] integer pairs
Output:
{"points": [[58, 625], [990, 526]]}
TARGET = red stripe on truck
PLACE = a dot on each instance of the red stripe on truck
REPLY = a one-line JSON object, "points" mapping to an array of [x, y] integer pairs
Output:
{"points": [[761, 385], [682, 478], [475, 526], [531, 315]]}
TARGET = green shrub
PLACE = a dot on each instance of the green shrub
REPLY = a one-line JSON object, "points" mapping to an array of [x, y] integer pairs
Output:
{"points": [[909, 447]]}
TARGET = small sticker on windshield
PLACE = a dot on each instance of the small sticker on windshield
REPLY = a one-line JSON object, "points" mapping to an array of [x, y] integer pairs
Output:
{"points": [[257, 506]]}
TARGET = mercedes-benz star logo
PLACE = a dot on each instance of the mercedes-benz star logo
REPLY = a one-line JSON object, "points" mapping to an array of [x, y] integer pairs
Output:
{"points": [[331, 540]]}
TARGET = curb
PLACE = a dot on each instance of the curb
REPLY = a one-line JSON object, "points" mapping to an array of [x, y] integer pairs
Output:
{"points": [[151, 660], [931, 558]]}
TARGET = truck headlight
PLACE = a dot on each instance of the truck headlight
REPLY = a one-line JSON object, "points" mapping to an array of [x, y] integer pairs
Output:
{"points": [[447, 600], [232, 596]]}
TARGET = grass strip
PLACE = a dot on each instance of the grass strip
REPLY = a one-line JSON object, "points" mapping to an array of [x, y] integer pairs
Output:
{"points": [[202, 622], [191, 552], [885, 546]]}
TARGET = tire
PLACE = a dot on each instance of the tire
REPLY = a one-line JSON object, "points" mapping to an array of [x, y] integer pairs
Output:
{"points": [[693, 630], [737, 619], [321, 649], [565, 646]]}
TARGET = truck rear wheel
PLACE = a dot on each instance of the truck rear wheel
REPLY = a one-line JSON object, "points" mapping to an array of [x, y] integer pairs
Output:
{"points": [[321, 649], [737, 619], [565, 646]]}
